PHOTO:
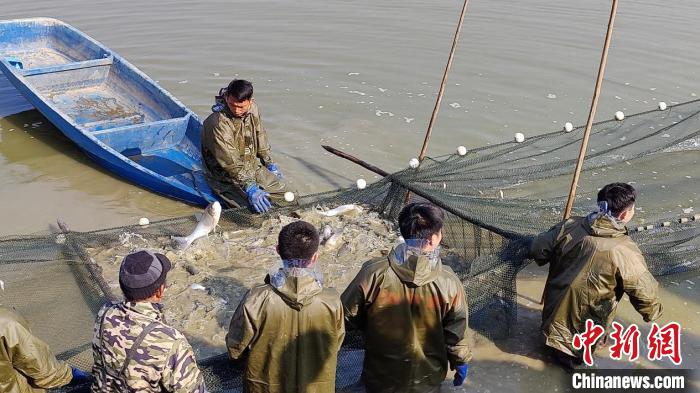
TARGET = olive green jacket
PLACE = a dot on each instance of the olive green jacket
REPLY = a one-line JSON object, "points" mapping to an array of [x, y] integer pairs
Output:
{"points": [[26, 363], [593, 262], [233, 148], [291, 330], [413, 312]]}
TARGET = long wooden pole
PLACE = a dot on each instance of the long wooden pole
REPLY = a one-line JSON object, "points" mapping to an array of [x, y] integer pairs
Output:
{"points": [[591, 113], [441, 92], [424, 149]]}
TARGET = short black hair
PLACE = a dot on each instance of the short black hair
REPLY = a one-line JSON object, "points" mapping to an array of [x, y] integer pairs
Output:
{"points": [[240, 90], [298, 240], [619, 196], [420, 220]]}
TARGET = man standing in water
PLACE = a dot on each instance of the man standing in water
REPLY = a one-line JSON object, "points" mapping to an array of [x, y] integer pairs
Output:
{"points": [[26, 362], [133, 348], [237, 154], [592, 264], [290, 328], [412, 310]]}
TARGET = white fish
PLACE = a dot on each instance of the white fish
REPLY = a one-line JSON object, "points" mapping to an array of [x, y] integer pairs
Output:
{"points": [[198, 287], [206, 224], [2, 285], [340, 210], [333, 240]]}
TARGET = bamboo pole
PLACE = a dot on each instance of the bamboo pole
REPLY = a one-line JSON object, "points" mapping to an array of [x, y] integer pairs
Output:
{"points": [[441, 92], [591, 113], [356, 160]]}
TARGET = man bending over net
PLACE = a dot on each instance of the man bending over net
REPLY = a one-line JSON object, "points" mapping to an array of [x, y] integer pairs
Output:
{"points": [[592, 264]]}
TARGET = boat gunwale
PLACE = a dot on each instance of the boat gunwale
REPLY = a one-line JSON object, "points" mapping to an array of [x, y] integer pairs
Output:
{"points": [[19, 76]]}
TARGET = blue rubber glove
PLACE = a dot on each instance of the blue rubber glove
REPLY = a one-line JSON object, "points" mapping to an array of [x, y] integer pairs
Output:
{"points": [[275, 171], [460, 374], [80, 377], [259, 199]]}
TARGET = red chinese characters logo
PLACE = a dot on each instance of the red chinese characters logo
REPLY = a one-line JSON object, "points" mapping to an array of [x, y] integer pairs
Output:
{"points": [[624, 343], [662, 342], [587, 340], [665, 342]]}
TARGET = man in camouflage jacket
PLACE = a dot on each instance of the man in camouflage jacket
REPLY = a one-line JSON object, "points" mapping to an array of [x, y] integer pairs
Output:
{"points": [[237, 154], [134, 350]]}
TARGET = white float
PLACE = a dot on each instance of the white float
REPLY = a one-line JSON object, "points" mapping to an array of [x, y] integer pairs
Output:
{"points": [[520, 137], [413, 163], [461, 150], [568, 127], [662, 106], [361, 183], [144, 221], [619, 115], [289, 196]]}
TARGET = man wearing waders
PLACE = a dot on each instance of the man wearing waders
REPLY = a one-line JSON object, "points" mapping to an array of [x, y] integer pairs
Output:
{"points": [[412, 310], [26, 362], [237, 155], [592, 264], [134, 349], [290, 328]]}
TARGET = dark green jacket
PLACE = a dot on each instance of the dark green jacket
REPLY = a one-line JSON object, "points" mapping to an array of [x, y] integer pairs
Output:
{"points": [[234, 148], [291, 330], [26, 363], [413, 313], [593, 263]]}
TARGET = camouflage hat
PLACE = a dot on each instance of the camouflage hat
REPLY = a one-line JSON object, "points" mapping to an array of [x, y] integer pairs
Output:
{"points": [[142, 273]]}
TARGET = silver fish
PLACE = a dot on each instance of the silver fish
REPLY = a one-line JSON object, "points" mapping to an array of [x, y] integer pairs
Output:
{"points": [[340, 210], [207, 222]]}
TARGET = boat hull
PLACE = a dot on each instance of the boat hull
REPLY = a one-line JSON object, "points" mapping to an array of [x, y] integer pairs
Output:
{"points": [[116, 114]]}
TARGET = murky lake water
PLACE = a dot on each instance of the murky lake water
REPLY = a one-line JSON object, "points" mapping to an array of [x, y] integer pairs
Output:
{"points": [[358, 75]]}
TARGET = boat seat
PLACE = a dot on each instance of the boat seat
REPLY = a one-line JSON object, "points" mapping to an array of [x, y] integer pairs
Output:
{"points": [[144, 137], [68, 66], [137, 118]]}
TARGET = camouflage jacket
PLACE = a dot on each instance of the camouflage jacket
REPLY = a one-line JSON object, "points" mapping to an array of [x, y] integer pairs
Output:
{"points": [[26, 363], [592, 264], [234, 147], [163, 362]]}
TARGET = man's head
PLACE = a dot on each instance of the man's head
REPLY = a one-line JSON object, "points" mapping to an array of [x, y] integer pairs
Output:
{"points": [[239, 94], [298, 241], [422, 221], [620, 198], [142, 276]]}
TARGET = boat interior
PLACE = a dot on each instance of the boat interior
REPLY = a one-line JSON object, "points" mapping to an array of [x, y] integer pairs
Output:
{"points": [[102, 95]]}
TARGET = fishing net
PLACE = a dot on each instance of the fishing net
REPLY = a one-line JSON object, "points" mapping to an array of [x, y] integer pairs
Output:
{"points": [[495, 197]]}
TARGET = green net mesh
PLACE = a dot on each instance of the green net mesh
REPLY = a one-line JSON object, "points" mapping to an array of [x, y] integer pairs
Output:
{"points": [[495, 198]]}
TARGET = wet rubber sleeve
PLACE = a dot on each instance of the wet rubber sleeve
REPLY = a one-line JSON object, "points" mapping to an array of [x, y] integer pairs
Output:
{"points": [[33, 358], [638, 283], [264, 149], [542, 248], [355, 301], [455, 325], [242, 329]]}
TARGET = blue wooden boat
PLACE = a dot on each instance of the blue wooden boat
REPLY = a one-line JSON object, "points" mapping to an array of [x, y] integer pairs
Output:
{"points": [[115, 113]]}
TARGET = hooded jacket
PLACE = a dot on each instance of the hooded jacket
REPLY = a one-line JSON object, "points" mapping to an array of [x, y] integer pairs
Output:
{"points": [[593, 262], [291, 329], [26, 363], [233, 148], [413, 312]]}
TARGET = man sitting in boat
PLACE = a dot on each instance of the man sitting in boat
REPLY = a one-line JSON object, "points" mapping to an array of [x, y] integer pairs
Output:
{"points": [[237, 154]]}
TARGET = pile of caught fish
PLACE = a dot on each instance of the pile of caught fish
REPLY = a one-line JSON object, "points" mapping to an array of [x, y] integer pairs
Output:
{"points": [[212, 269]]}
